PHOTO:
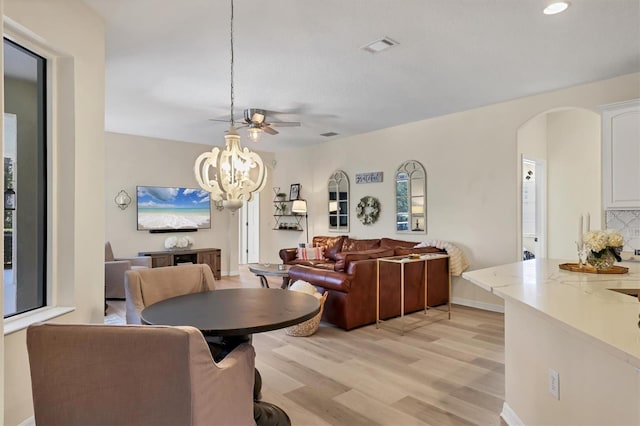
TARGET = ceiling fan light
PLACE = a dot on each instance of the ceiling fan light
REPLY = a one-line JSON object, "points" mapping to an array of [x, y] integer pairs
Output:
{"points": [[254, 133], [257, 117], [254, 115], [555, 6]]}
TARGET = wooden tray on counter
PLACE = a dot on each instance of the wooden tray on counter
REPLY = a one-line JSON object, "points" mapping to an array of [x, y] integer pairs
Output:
{"points": [[573, 267]]}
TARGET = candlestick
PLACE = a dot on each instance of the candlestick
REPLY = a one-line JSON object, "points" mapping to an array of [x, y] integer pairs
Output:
{"points": [[580, 231], [582, 255], [588, 223]]}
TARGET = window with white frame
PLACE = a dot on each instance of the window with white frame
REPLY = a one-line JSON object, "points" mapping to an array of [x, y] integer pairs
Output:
{"points": [[25, 179]]}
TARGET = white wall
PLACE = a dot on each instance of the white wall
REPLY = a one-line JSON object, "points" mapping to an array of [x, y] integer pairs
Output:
{"points": [[73, 36], [472, 182], [574, 178], [532, 144]]}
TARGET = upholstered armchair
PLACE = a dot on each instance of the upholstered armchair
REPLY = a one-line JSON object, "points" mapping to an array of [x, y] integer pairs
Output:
{"points": [[114, 269], [144, 287], [136, 375]]}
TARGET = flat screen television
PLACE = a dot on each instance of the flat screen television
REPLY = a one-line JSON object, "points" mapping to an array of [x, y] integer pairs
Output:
{"points": [[167, 209]]}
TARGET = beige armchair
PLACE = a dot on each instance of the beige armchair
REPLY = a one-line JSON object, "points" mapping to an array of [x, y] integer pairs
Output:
{"points": [[114, 269], [144, 287], [136, 375]]}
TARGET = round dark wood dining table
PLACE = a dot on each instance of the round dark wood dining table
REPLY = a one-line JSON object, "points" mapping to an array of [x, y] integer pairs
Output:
{"points": [[234, 311], [233, 315]]}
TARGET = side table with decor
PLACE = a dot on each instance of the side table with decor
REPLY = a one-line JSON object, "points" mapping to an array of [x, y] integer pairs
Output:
{"points": [[264, 270]]}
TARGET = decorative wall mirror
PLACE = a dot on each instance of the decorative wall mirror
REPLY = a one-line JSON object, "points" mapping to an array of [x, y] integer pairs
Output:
{"points": [[411, 198], [338, 202]]}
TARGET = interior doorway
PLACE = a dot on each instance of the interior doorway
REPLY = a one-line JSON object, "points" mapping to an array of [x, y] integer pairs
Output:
{"points": [[534, 219], [250, 231], [562, 150]]}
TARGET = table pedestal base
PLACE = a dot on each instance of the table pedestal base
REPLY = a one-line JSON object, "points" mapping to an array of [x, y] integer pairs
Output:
{"points": [[267, 414]]}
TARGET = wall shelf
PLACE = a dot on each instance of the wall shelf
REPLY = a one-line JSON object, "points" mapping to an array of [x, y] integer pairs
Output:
{"points": [[287, 221]]}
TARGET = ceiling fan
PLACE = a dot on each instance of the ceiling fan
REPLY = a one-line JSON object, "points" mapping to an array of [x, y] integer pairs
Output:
{"points": [[256, 120]]}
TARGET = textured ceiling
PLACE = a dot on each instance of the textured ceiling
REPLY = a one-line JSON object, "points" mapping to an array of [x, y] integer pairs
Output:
{"points": [[168, 61]]}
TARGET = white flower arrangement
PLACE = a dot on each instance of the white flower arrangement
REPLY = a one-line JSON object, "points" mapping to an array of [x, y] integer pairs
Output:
{"points": [[597, 241], [170, 242], [178, 242]]}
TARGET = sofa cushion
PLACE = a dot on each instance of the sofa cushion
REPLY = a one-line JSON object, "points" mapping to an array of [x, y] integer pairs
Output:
{"points": [[318, 263], [310, 253], [332, 245], [391, 243], [401, 251], [345, 258], [352, 244]]}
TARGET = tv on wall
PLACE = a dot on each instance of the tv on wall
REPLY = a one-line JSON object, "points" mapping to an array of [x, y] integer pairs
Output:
{"points": [[166, 209]]}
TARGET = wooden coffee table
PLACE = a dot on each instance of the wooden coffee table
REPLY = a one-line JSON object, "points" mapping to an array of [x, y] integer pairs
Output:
{"points": [[264, 270]]}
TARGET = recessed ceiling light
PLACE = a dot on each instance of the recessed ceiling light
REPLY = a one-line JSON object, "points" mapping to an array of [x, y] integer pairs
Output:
{"points": [[554, 6], [379, 45]]}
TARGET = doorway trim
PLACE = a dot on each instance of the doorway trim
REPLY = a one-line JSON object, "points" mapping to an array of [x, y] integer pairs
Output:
{"points": [[249, 233], [540, 232]]}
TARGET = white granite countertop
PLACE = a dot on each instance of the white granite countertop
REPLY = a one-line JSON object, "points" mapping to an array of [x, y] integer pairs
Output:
{"points": [[580, 302]]}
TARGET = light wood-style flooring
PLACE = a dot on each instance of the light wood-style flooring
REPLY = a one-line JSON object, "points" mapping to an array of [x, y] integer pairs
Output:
{"points": [[441, 372]]}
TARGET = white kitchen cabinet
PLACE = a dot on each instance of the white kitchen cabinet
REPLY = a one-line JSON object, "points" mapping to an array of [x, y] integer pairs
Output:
{"points": [[621, 155]]}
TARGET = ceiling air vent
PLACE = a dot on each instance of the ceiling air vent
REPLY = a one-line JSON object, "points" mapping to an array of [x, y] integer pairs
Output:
{"points": [[379, 45], [329, 134]]}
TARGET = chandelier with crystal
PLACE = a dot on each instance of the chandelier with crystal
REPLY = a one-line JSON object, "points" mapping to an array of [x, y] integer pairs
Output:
{"points": [[232, 174]]}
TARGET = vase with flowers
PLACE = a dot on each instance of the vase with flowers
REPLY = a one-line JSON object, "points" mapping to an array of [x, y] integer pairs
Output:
{"points": [[603, 248]]}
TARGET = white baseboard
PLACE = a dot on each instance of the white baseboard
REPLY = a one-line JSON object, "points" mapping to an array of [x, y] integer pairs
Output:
{"points": [[230, 273], [479, 305], [509, 416]]}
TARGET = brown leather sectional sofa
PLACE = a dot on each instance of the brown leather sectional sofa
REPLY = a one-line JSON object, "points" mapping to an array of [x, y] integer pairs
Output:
{"points": [[348, 272]]}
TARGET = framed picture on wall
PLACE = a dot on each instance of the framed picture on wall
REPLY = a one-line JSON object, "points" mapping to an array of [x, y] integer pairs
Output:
{"points": [[294, 192]]}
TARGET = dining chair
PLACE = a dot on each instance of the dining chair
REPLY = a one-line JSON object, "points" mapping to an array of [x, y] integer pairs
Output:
{"points": [[144, 287], [94, 374]]}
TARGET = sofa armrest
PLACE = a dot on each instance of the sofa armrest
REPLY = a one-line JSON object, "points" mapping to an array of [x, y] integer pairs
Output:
{"points": [[344, 258], [288, 255], [327, 279], [115, 269], [139, 261]]}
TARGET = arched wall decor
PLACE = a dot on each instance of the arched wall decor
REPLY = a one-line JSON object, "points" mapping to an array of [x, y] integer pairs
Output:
{"points": [[338, 187], [411, 198]]}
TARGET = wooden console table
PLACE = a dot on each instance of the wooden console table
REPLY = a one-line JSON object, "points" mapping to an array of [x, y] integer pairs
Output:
{"points": [[403, 261], [209, 256]]}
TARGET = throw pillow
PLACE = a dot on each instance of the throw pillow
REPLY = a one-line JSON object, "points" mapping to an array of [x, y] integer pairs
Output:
{"points": [[310, 253]]}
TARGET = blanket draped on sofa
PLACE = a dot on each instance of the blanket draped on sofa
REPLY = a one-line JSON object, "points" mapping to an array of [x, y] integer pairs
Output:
{"points": [[458, 261]]}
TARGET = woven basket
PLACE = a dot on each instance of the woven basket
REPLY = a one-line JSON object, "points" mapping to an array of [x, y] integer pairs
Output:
{"points": [[310, 326]]}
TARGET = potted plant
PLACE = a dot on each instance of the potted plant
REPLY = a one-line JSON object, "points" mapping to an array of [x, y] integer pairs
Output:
{"points": [[281, 196]]}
